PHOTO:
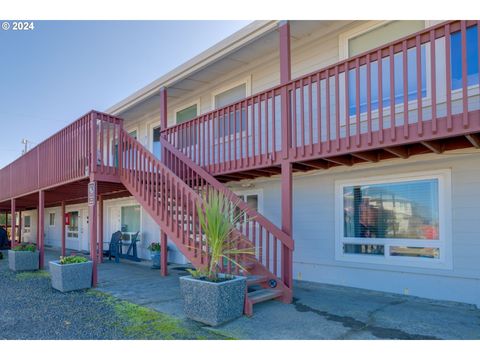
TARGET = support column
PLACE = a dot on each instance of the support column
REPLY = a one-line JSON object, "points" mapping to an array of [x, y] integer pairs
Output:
{"points": [[92, 224], [287, 220], [163, 126], [287, 181], [63, 228], [13, 223], [100, 229], [19, 226], [41, 227]]}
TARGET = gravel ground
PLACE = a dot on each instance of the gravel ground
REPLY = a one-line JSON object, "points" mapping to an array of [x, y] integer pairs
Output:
{"points": [[31, 309]]}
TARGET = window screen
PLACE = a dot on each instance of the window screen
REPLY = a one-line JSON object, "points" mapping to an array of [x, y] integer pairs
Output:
{"points": [[384, 34], [230, 96]]}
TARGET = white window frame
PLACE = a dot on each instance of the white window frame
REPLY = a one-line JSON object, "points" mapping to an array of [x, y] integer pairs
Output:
{"points": [[258, 192], [77, 232], [129, 204], [185, 106], [54, 219], [445, 226]]}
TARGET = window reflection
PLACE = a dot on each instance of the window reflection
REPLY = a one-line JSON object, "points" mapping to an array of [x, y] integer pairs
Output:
{"points": [[407, 210]]}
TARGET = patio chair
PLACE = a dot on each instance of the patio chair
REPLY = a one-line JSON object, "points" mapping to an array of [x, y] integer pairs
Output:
{"points": [[115, 246]]}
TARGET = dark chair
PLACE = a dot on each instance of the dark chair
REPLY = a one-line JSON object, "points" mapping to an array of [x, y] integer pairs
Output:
{"points": [[115, 247]]}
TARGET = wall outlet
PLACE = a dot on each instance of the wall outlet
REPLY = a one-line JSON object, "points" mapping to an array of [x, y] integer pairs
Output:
{"points": [[406, 291]]}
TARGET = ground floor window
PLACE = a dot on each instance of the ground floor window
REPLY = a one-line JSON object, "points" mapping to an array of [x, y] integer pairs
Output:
{"points": [[402, 220], [26, 224], [253, 198], [130, 218], [72, 229], [52, 219]]}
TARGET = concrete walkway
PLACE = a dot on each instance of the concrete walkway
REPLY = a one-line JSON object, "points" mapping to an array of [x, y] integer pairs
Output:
{"points": [[318, 311]]}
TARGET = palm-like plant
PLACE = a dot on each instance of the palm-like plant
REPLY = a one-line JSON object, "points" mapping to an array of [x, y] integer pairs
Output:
{"points": [[217, 217]]}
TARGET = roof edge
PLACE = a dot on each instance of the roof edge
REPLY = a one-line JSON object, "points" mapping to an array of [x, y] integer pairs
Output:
{"points": [[231, 43]]}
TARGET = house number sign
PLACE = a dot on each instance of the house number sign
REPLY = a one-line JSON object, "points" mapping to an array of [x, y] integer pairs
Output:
{"points": [[92, 193]]}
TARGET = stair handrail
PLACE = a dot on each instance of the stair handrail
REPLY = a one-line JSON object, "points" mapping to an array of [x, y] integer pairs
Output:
{"points": [[284, 238]]}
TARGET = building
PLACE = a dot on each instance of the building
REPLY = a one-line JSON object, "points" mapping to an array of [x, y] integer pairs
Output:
{"points": [[366, 175]]}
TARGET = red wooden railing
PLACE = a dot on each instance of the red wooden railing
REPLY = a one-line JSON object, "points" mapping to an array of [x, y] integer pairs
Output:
{"points": [[172, 194], [66, 156], [338, 109]]}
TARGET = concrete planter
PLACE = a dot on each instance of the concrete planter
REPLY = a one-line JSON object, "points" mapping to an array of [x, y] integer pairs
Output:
{"points": [[71, 277], [213, 303], [23, 260]]}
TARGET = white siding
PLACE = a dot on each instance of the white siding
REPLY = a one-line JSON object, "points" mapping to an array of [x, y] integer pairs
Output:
{"points": [[314, 231]]}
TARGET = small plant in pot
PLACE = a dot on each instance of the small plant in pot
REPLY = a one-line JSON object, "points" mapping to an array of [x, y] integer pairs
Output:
{"points": [[71, 273], [211, 296], [23, 257], [155, 250]]}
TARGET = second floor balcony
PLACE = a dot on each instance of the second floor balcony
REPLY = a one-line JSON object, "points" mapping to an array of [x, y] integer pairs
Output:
{"points": [[418, 94], [397, 100]]}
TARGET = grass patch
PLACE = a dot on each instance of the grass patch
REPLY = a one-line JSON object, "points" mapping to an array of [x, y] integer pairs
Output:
{"points": [[138, 322], [28, 275]]}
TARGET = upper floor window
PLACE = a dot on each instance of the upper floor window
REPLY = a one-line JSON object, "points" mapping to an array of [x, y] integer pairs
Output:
{"points": [[377, 35], [133, 134], [230, 96], [400, 221], [187, 114]]}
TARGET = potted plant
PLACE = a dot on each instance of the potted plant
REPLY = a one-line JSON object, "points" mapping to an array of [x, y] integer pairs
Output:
{"points": [[155, 249], [210, 296], [23, 257], [71, 273]]}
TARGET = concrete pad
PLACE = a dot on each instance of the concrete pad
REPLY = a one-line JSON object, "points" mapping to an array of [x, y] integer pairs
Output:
{"points": [[319, 311]]}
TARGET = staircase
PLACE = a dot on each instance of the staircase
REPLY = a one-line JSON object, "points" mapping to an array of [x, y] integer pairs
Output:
{"points": [[170, 191]]}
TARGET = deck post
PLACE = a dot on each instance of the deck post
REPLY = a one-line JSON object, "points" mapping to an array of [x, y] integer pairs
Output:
{"points": [[19, 226], [92, 224], [63, 228], [286, 176], [13, 223], [41, 227], [100, 229], [163, 126]]}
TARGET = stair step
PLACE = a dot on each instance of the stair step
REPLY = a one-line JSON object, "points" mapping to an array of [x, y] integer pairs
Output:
{"points": [[263, 295], [255, 279]]}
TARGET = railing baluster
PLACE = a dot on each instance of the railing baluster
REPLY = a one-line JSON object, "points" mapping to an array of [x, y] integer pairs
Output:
{"points": [[433, 81], [294, 122], [319, 112], [369, 101], [448, 83], [463, 28], [337, 107], [393, 128], [418, 53], [380, 95], [302, 115], [328, 115], [405, 89]]}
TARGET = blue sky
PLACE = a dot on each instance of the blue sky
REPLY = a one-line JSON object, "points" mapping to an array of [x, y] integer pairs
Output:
{"points": [[52, 75]]}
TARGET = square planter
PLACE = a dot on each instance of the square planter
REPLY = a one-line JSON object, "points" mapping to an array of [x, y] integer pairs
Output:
{"points": [[213, 303], [71, 277], [23, 260]]}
